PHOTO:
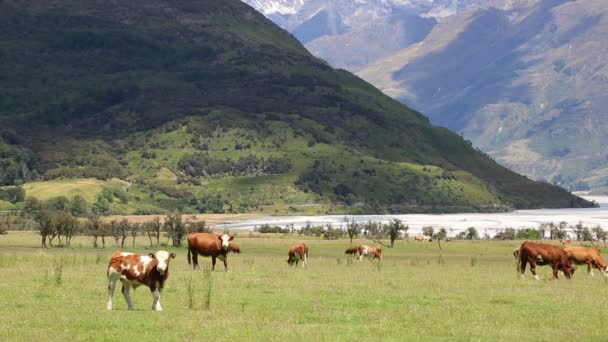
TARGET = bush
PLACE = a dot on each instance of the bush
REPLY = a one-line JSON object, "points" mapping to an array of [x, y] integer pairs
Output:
{"points": [[528, 234]]}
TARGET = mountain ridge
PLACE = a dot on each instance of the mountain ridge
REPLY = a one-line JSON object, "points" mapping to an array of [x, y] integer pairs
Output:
{"points": [[206, 106]]}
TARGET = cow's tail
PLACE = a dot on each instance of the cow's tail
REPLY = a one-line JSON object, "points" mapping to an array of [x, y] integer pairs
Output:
{"points": [[517, 254], [189, 257]]}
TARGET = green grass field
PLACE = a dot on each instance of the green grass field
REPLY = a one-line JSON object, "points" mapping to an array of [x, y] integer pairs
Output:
{"points": [[467, 291]]}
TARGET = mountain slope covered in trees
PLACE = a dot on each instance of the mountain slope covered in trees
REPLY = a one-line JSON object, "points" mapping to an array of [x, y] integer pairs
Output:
{"points": [[206, 106]]}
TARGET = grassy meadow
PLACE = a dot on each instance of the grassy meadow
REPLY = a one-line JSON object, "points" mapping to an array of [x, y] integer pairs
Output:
{"points": [[466, 291]]}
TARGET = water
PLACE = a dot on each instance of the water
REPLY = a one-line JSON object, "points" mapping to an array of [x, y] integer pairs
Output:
{"points": [[454, 223]]}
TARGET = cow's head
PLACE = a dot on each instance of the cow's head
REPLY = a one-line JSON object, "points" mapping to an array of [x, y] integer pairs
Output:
{"points": [[225, 239], [162, 260], [568, 270]]}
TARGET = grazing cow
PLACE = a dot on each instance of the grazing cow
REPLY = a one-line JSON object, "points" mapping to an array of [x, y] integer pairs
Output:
{"points": [[133, 270], [234, 248], [565, 242], [363, 250], [543, 254], [209, 244], [297, 253], [423, 238], [590, 256]]}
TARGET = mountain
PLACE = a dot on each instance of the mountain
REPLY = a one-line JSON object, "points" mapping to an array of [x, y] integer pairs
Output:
{"points": [[527, 84], [351, 34], [206, 106]]}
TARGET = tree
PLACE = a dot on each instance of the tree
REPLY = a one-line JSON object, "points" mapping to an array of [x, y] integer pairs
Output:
{"points": [[578, 230], [394, 228], [471, 234], [353, 230], [58, 203], [197, 226], [31, 207], [528, 234], [175, 229], [78, 205], [600, 234], [153, 229], [134, 230], [428, 231], [5, 224], [66, 225], [94, 229], [507, 234], [442, 234], [122, 231], [101, 206], [46, 227], [587, 235]]}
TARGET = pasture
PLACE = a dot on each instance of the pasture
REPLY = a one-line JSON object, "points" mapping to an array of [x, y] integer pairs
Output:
{"points": [[466, 291]]}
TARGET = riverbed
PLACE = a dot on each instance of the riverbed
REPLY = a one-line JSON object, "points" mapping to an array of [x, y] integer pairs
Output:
{"points": [[484, 223]]}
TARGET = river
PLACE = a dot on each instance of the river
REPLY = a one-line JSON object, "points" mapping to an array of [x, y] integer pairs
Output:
{"points": [[454, 223]]}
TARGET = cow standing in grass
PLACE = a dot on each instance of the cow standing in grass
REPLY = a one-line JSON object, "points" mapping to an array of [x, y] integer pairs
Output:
{"points": [[542, 254], [210, 245], [297, 253], [589, 256], [362, 250], [134, 270]]}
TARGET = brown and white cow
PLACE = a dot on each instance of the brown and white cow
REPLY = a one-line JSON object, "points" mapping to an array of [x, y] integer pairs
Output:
{"points": [[543, 254], [423, 238], [362, 250], [590, 256], [210, 245], [134, 270], [565, 242], [297, 253]]}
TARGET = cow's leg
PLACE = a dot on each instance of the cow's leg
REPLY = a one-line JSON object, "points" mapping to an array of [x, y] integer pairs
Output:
{"points": [[156, 303], [126, 292], [224, 259], [112, 278], [361, 257], [195, 260], [533, 268], [590, 265], [213, 262], [522, 266], [305, 260]]}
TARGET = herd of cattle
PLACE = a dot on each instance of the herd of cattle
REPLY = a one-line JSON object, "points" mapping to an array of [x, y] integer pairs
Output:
{"points": [[152, 270]]}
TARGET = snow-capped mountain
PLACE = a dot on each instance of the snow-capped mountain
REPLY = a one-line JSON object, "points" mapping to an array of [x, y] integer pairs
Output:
{"points": [[353, 33]]}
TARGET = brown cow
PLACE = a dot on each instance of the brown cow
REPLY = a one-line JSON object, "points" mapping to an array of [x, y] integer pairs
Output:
{"points": [[297, 253], [565, 242], [590, 256], [363, 250], [423, 238], [234, 248], [543, 254], [133, 270], [209, 244]]}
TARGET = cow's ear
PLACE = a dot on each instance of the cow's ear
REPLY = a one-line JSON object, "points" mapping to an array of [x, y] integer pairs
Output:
{"points": [[172, 255], [151, 255]]}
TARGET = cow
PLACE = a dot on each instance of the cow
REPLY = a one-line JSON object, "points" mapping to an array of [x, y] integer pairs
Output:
{"points": [[297, 253], [565, 242], [234, 248], [209, 244], [134, 270], [423, 238], [362, 250], [543, 254], [590, 256]]}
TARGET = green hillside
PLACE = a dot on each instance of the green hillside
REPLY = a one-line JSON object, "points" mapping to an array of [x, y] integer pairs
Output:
{"points": [[206, 106]]}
